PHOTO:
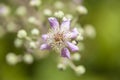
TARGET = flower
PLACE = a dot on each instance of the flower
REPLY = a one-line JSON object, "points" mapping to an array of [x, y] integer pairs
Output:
{"points": [[60, 37], [4, 10]]}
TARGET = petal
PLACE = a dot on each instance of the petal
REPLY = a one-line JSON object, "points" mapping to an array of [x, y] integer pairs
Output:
{"points": [[65, 53], [67, 35], [72, 47], [44, 47], [75, 30], [45, 37], [53, 22], [65, 24], [74, 33]]}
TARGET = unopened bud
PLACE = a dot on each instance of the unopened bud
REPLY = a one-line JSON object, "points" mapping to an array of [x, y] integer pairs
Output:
{"points": [[47, 12], [61, 66], [18, 42], [59, 14], [11, 59], [21, 11], [90, 31], [82, 10], [79, 37], [4, 10], [32, 20], [28, 58], [35, 31], [76, 56], [35, 2], [22, 34], [74, 42], [32, 45], [80, 70]]}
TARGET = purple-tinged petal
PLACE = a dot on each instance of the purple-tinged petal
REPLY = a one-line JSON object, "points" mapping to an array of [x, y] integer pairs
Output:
{"points": [[74, 33], [65, 53], [72, 47], [67, 35], [75, 30], [65, 24], [45, 37], [44, 47], [53, 22]]}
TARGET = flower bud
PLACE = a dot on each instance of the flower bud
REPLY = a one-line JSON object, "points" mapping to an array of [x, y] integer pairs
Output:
{"points": [[80, 70], [22, 34], [35, 2], [11, 59], [32, 20], [21, 11], [59, 14], [32, 45], [90, 31], [74, 42], [4, 10], [28, 58], [79, 37], [35, 31], [76, 56], [82, 10], [47, 12], [18, 42], [61, 66]]}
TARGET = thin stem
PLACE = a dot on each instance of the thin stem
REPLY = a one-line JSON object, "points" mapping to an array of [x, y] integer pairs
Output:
{"points": [[71, 65]]}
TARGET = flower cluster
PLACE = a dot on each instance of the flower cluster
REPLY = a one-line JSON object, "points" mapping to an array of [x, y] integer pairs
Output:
{"points": [[29, 21]]}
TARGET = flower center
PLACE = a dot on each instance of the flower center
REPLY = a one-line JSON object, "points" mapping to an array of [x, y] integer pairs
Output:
{"points": [[58, 37]]}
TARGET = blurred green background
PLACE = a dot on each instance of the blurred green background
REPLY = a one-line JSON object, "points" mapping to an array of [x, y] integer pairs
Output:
{"points": [[101, 55]]}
